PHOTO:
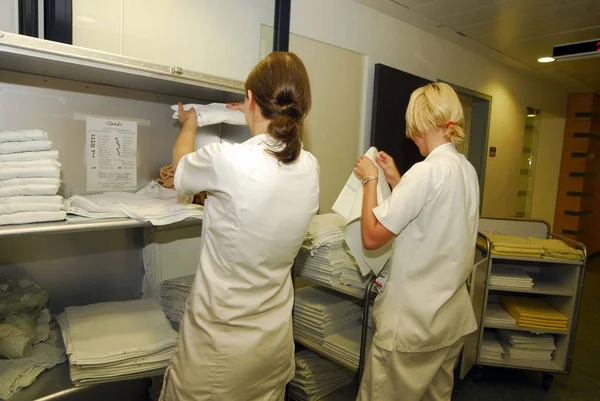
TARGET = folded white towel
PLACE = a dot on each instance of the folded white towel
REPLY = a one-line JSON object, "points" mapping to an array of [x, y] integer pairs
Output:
{"points": [[214, 113], [31, 217], [28, 190], [30, 172], [15, 182], [27, 156], [30, 207], [29, 146], [30, 163], [23, 136], [55, 199]]}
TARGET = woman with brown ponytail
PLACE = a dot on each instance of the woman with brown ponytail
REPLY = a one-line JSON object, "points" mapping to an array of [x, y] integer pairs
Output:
{"points": [[235, 340]]}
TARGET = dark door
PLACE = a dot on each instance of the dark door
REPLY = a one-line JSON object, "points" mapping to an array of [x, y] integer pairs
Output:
{"points": [[391, 93]]}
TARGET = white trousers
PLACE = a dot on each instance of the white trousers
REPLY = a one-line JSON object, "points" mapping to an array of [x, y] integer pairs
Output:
{"points": [[402, 376]]}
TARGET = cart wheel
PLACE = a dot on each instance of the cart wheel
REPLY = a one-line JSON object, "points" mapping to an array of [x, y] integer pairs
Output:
{"points": [[478, 374], [547, 380]]}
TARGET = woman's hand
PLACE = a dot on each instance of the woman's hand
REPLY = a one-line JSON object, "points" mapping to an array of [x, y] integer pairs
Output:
{"points": [[365, 168], [386, 162], [187, 117], [239, 106]]}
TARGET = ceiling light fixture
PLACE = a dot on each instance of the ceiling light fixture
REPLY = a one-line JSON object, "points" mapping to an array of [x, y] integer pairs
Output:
{"points": [[546, 60], [530, 115], [85, 19]]}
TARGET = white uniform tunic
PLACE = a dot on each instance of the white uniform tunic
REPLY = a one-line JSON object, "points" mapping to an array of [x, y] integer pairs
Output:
{"points": [[434, 210], [236, 338]]}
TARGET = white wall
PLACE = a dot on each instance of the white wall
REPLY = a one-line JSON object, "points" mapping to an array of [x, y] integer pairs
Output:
{"points": [[9, 17], [222, 38]]}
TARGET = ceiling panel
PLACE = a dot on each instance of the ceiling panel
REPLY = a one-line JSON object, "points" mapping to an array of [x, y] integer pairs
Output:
{"points": [[523, 29]]}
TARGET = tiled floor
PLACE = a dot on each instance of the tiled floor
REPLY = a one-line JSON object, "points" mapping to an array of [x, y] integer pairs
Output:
{"points": [[583, 383]]}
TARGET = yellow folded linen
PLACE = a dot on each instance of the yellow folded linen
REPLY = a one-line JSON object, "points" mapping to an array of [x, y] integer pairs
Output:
{"points": [[520, 307], [543, 321], [554, 244], [512, 242], [517, 315], [527, 325], [564, 256], [504, 250]]}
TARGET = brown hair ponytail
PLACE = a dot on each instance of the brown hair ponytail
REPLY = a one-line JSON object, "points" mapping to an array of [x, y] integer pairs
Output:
{"points": [[281, 89]]}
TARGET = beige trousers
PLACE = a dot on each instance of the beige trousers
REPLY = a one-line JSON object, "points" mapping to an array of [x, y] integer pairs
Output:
{"points": [[402, 376]]}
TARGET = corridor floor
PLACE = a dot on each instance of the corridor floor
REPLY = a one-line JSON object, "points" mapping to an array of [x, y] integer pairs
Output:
{"points": [[583, 383]]}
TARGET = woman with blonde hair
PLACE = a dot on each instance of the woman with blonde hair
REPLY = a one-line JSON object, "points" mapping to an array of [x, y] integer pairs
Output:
{"points": [[235, 339], [424, 311]]}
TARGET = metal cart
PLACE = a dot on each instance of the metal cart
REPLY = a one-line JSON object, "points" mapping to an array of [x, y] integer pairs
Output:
{"points": [[558, 282]]}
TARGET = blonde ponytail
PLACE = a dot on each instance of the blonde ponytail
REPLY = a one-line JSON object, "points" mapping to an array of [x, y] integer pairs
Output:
{"points": [[455, 133]]}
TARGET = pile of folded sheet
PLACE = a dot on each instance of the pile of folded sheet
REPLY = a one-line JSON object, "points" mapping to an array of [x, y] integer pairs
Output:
{"points": [[345, 344], [317, 377], [173, 296], [29, 178], [533, 313], [325, 257], [318, 313], [527, 346], [505, 245], [153, 203], [29, 341], [506, 276], [497, 315], [491, 349], [557, 249], [169, 252], [115, 341]]}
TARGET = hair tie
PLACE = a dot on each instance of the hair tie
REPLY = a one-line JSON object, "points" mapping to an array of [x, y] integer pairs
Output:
{"points": [[449, 123]]}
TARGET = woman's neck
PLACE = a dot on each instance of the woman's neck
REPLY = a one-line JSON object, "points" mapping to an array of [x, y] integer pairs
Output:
{"points": [[259, 126]]}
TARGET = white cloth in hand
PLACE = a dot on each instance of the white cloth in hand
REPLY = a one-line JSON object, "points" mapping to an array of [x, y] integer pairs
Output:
{"points": [[214, 113]]}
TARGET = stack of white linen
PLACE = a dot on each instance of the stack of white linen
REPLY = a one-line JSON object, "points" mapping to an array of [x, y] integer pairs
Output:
{"points": [[173, 296], [491, 349], [345, 345], [506, 276], [29, 178], [497, 315], [325, 257], [114, 341], [527, 346], [317, 377], [169, 252], [318, 313], [153, 203]]}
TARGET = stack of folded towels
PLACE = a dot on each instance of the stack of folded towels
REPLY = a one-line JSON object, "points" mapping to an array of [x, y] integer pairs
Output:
{"points": [[318, 313], [116, 341], [505, 245], [557, 249], [527, 346], [497, 315], [173, 296], [491, 349], [533, 313], [325, 257], [505, 276], [345, 345], [29, 178], [316, 377]]}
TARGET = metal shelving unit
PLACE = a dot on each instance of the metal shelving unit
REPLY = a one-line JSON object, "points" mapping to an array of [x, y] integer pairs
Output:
{"points": [[36, 57], [558, 282]]}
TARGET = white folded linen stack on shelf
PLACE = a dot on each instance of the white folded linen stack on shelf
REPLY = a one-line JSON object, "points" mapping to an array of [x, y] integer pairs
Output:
{"points": [[169, 253], [491, 349], [153, 203], [317, 377], [345, 345], [29, 178], [527, 346], [505, 276], [318, 313], [325, 257], [213, 113], [497, 315], [116, 340], [173, 296], [351, 274]]}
